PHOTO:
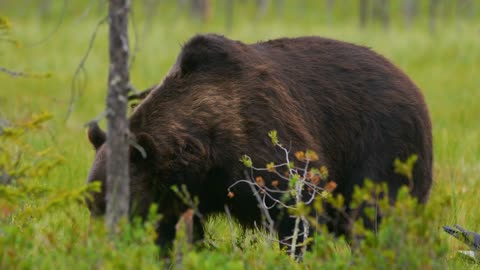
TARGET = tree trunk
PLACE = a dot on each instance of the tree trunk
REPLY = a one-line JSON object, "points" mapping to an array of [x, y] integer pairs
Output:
{"points": [[410, 9], [384, 13], [182, 5], [262, 8], [363, 13], [150, 11], [118, 188], [45, 7], [202, 9], [279, 8], [465, 9], [229, 8], [432, 10], [329, 9]]}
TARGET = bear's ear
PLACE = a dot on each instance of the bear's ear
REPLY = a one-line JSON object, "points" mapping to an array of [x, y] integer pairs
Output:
{"points": [[143, 148], [96, 135], [206, 52]]}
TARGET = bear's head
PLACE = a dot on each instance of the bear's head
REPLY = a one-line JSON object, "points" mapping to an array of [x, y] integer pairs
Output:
{"points": [[154, 169], [150, 178]]}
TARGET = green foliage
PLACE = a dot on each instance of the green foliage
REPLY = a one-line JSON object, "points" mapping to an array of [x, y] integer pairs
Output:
{"points": [[406, 238], [70, 242], [393, 243], [24, 201], [187, 199], [31, 210], [7, 38], [247, 161], [20, 162], [5, 32], [406, 168], [273, 137]]}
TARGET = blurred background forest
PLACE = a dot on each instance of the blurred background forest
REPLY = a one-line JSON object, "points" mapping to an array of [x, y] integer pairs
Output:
{"points": [[36, 27], [54, 64], [363, 12]]}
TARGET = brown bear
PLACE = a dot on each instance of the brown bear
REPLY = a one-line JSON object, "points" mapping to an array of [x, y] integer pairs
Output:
{"points": [[220, 99]]}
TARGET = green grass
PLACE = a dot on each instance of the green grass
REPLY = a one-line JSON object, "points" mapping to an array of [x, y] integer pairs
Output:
{"points": [[445, 66]]}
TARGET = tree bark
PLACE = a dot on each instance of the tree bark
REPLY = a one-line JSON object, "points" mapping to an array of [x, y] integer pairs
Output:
{"points": [[229, 8], [118, 188], [150, 11], [262, 8], [410, 9], [279, 8], [202, 9], [363, 13], [329, 9], [45, 7], [432, 10], [384, 13], [465, 9]]}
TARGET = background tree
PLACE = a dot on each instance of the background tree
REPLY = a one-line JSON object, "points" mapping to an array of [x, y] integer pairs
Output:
{"points": [[150, 11], [229, 8], [381, 12], [363, 8], [329, 8], [279, 8], [433, 12], [410, 8], [465, 8], [262, 7], [202, 9]]}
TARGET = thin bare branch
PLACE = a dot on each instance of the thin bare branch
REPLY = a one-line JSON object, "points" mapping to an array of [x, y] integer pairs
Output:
{"points": [[14, 73], [304, 190], [306, 231], [54, 30], [75, 90], [230, 225], [96, 119], [263, 209], [87, 10]]}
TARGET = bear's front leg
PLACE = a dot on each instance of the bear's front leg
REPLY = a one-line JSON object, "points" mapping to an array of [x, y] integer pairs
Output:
{"points": [[166, 234]]}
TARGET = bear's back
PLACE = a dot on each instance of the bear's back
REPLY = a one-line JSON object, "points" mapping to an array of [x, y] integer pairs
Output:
{"points": [[360, 106]]}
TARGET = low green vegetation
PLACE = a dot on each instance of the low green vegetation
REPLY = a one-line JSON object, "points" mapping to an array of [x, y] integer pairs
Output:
{"points": [[44, 223]]}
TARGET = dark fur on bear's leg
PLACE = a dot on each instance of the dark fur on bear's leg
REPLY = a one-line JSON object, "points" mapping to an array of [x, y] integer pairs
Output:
{"points": [[220, 99], [285, 236], [165, 235]]}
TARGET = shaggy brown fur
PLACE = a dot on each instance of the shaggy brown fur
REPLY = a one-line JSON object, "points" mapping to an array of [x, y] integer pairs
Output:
{"points": [[221, 98]]}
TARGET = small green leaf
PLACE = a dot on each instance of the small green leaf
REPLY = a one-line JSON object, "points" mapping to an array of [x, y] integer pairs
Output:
{"points": [[247, 161], [273, 136]]}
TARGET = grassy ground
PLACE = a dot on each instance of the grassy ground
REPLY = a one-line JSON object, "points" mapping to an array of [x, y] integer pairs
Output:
{"points": [[445, 65]]}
